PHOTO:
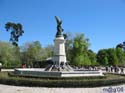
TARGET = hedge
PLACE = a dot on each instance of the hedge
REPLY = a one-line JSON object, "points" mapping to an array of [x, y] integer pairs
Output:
{"points": [[66, 83]]}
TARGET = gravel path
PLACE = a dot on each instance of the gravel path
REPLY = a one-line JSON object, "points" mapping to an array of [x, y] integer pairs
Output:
{"points": [[17, 89]]}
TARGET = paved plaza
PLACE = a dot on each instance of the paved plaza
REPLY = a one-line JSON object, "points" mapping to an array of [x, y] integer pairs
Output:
{"points": [[17, 89]]}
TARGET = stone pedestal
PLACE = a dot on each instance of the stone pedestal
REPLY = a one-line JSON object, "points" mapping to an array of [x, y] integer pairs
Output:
{"points": [[59, 51], [59, 58]]}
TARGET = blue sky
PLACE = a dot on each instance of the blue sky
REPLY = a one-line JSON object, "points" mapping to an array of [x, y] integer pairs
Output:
{"points": [[102, 21]]}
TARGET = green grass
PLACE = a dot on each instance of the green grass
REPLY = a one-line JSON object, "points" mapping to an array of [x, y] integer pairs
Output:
{"points": [[108, 79]]}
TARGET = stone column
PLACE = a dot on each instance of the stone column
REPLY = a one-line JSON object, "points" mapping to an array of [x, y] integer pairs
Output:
{"points": [[59, 51]]}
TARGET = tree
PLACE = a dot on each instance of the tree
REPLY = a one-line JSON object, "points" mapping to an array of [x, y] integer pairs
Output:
{"points": [[92, 57], [121, 56], [80, 43], [79, 51], [102, 57], [16, 31], [121, 45], [112, 57], [124, 45], [9, 56], [69, 46], [31, 52], [48, 51]]}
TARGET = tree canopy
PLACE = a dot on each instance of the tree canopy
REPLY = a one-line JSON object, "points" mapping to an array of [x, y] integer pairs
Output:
{"points": [[16, 31], [77, 50], [111, 56]]}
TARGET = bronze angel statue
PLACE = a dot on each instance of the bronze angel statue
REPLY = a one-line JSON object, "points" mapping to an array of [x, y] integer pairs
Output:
{"points": [[59, 27]]}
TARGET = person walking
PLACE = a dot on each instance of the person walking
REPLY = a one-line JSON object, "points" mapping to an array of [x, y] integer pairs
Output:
{"points": [[0, 66]]}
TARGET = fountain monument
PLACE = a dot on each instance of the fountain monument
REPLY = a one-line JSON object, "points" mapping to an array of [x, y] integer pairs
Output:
{"points": [[59, 67]]}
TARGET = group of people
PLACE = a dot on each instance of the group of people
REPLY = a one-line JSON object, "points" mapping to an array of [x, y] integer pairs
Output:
{"points": [[86, 67], [115, 69], [107, 69]]}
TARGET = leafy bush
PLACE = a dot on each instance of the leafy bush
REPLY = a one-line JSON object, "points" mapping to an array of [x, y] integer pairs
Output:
{"points": [[109, 79]]}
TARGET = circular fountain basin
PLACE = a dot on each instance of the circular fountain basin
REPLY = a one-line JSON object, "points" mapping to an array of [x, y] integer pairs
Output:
{"points": [[41, 73]]}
